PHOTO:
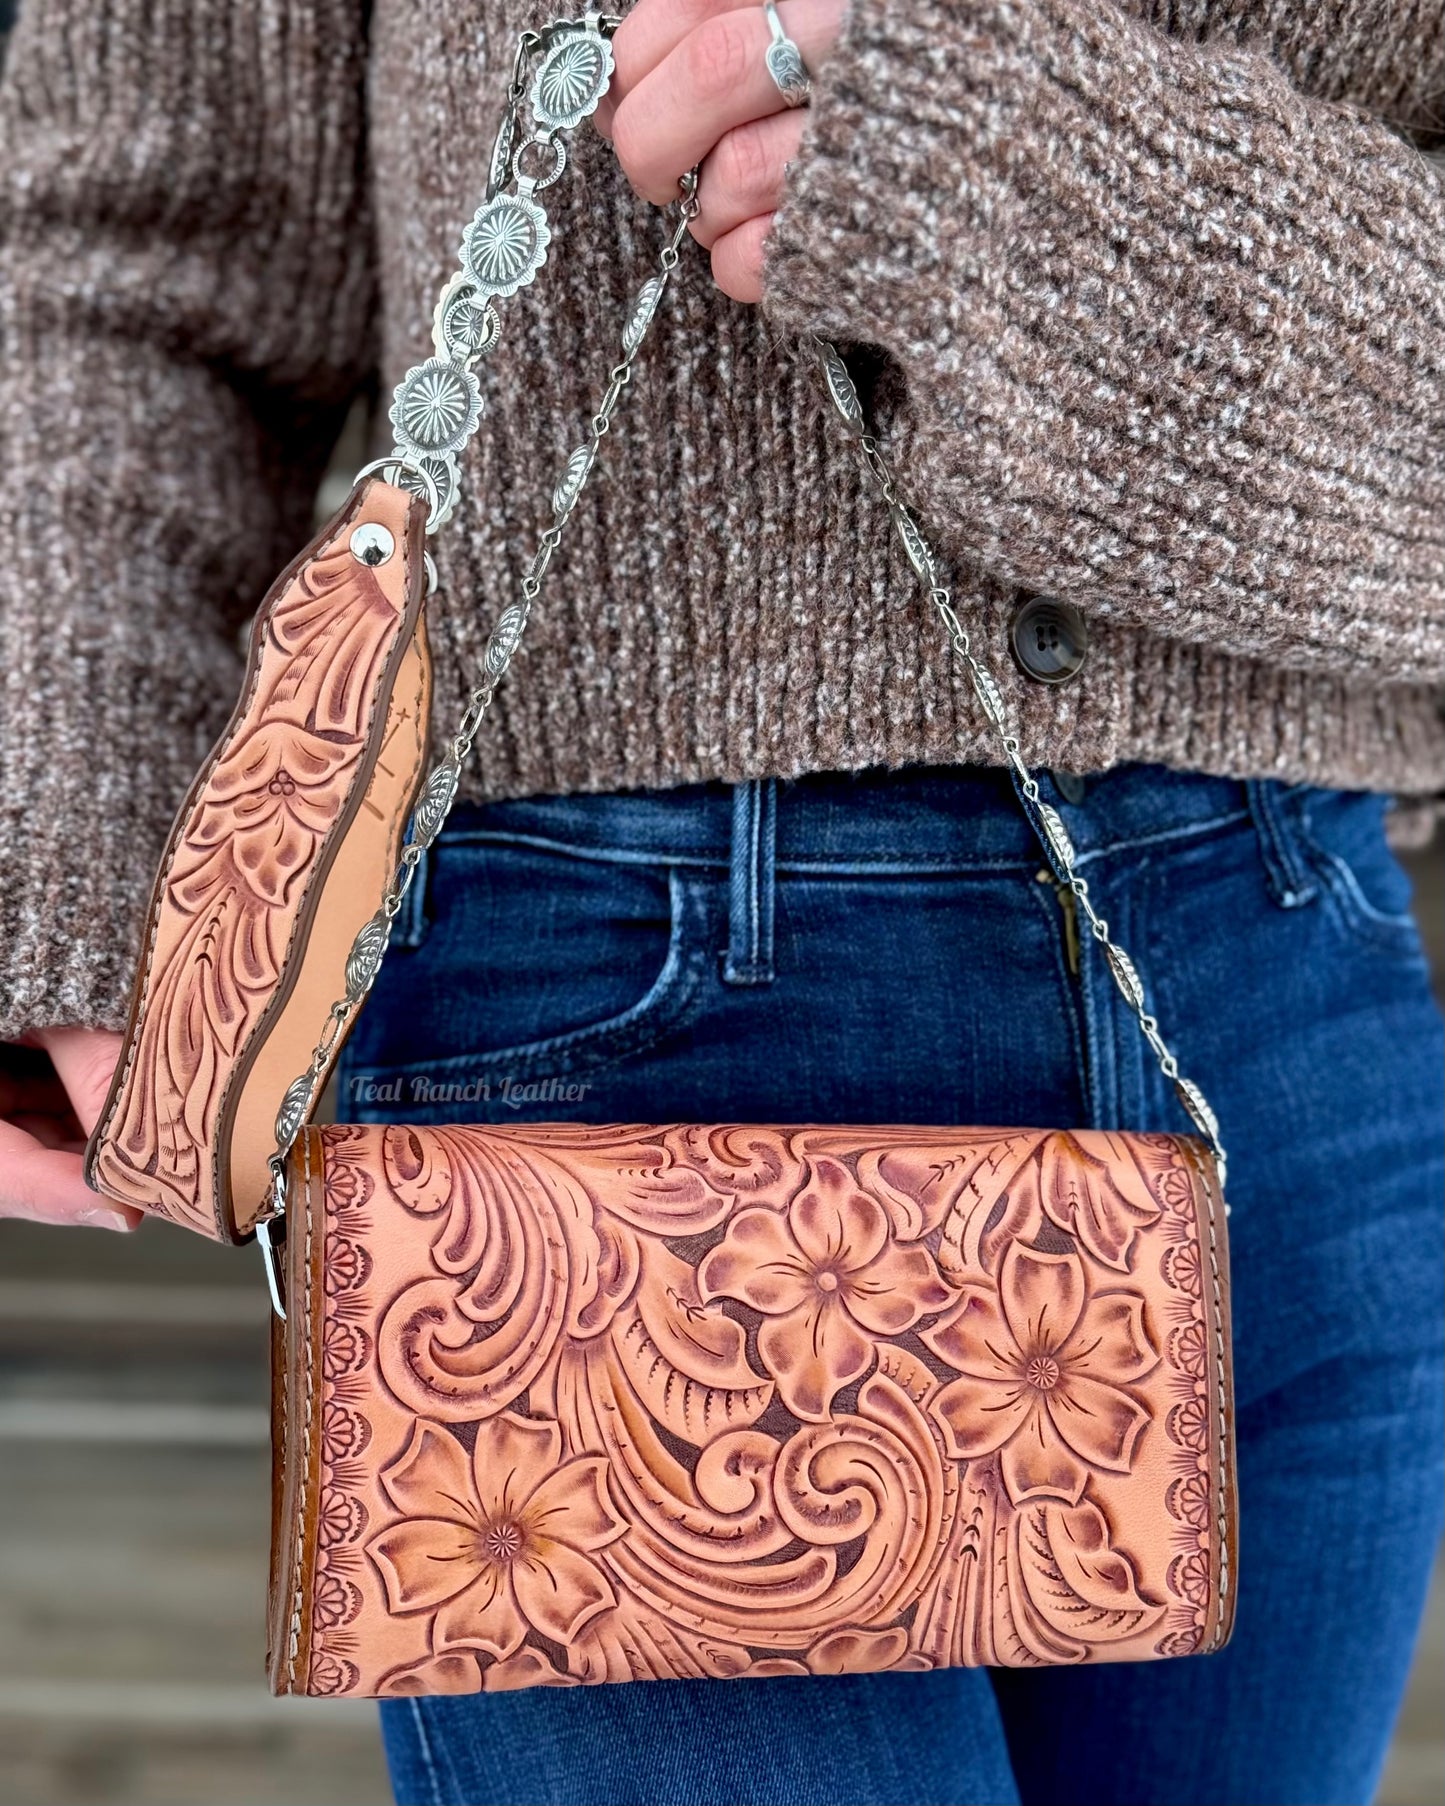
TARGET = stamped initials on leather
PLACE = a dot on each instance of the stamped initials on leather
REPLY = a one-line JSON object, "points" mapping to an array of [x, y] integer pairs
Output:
{"points": [[603, 1404]]}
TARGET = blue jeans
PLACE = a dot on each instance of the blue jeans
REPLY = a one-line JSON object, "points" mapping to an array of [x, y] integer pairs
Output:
{"points": [[888, 948]]}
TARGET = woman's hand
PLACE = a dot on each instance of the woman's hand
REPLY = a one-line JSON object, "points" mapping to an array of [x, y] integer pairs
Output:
{"points": [[48, 1106], [692, 86]]}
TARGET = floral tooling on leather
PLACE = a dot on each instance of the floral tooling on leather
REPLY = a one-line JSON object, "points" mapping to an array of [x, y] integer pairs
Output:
{"points": [[607, 1404], [230, 898]]}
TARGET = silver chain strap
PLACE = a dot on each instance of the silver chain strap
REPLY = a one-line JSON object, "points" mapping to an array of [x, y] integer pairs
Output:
{"points": [[562, 72], [1046, 820]]}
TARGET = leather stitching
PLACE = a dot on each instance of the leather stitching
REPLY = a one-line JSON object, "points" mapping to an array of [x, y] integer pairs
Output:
{"points": [[419, 736], [308, 1343], [1222, 1486]]}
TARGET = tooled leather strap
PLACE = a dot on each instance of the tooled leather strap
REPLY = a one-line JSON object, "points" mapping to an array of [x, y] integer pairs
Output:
{"points": [[559, 74]]}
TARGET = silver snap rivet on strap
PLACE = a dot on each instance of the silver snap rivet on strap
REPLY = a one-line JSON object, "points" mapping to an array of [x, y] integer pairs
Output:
{"points": [[372, 544]]}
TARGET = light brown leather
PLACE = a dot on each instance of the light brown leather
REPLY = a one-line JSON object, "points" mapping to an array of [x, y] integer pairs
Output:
{"points": [[562, 1404], [352, 890], [248, 864]]}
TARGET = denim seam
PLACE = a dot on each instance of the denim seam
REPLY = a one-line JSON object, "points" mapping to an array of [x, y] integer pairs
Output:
{"points": [[1068, 985], [1355, 912], [1101, 1060], [424, 1745], [1286, 876], [904, 868], [661, 1008], [853, 866], [1352, 909], [608, 855], [749, 958], [1164, 837], [1131, 1069]]}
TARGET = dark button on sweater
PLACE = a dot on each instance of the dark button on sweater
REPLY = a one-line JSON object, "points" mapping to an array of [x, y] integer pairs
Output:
{"points": [[1049, 639]]}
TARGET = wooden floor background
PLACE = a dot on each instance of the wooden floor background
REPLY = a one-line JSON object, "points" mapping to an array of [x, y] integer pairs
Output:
{"points": [[133, 1522]]}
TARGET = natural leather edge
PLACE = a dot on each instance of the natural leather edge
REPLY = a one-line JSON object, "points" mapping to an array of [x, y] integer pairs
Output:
{"points": [[1224, 1553], [280, 1473], [296, 1395]]}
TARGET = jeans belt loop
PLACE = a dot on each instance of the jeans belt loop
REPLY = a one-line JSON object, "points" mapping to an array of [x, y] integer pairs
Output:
{"points": [[749, 957], [1288, 878]]}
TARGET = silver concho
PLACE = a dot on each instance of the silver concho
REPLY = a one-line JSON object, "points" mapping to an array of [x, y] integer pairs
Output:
{"points": [[466, 324], [1126, 975], [990, 696], [643, 309], [1057, 835], [434, 803], [436, 408], [572, 79], [1197, 1104], [506, 244], [914, 544]]}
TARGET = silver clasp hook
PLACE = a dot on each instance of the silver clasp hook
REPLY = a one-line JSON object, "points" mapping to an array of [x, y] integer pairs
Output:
{"points": [[271, 1237]]}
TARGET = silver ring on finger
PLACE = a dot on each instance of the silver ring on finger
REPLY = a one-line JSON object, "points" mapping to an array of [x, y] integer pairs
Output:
{"points": [[785, 62]]}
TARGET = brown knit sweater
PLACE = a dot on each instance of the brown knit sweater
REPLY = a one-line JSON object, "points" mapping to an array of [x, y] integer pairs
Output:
{"points": [[1157, 289]]}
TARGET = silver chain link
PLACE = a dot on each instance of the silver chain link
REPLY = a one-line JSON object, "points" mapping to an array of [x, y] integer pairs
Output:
{"points": [[565, 68], [1046, 820]]}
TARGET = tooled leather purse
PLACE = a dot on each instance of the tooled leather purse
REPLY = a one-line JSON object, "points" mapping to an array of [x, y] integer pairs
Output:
{"points": [[556, 1403]]}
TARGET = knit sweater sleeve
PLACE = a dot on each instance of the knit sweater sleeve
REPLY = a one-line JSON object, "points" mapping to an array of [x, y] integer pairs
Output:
{"points": [[1170, 331], [185, 290]]}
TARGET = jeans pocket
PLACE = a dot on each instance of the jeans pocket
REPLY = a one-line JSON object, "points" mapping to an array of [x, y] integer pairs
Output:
{"points": [[537, 965], [1341, 838]]}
